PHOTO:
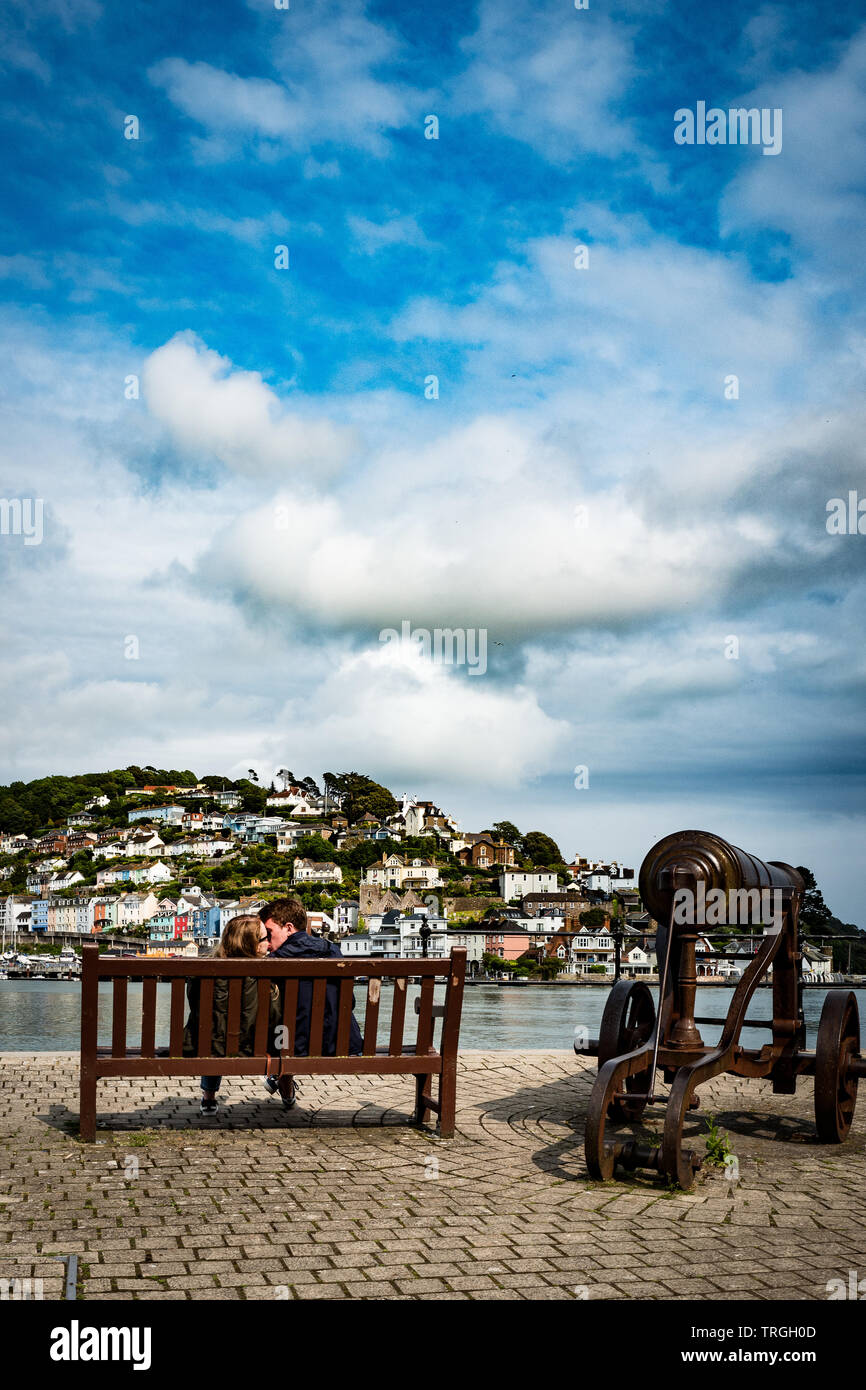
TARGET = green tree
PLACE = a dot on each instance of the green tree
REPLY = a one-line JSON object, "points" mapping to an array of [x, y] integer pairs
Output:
{"points": [[506, 830], [540, 849]]}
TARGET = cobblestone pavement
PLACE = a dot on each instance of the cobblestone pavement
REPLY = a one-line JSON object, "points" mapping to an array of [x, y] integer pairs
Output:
{"points": [[340, 1199]]}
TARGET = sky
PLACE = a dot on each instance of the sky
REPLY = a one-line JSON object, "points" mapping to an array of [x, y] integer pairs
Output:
{"points": [[550, 376]]}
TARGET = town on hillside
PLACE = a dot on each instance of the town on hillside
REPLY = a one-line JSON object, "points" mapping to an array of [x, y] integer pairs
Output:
{"points": [[157, 862]]}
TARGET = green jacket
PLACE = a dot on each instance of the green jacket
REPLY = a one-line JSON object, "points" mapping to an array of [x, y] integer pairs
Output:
{"points": [[249, 1009]]}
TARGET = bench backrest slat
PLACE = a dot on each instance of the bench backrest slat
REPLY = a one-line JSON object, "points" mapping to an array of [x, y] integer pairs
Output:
{"points": [[148, 1018], [290, 1010], [371, 1017], [453, 1006], [118, 1019], [233, 1017], [317, 1017], [424, 1038], [175, 1035], [398, 1015], [344, 1018], [205, 1018], [261, 1043]]}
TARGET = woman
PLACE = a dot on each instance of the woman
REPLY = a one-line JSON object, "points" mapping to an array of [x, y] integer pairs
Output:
{"points": [[244, 937]]}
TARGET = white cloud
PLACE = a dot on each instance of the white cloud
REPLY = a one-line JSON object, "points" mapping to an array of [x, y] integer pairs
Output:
{"points": [[391, 231], [814, 190], [554, 78], [233, 415], [417, 716], [328, 90]]}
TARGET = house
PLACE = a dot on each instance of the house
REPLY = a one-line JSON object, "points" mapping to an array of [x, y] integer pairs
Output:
{"points": [[96, 804], [105, 914], [145, 842], [79, 818], [290, 832], [482, 851], [111, 849], [80, 840], [501, 938], [52, 843], [133, 909], [358, 944], [169, 815], [591, 946], [346, 915], [228, 800], [514, 884], [12, 844], [425, 818], [137, 871], [308, 871], [397, 872], [320, 924]]}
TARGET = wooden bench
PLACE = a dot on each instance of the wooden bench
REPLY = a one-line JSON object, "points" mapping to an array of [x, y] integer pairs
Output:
{"points": [[420, 1059]]}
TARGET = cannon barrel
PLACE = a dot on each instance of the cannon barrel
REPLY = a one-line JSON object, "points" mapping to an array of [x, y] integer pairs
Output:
{"points": [[712, 860]]}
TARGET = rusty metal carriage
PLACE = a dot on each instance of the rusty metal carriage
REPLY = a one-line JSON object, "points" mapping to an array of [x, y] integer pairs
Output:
{"points": [[636, 1042]]}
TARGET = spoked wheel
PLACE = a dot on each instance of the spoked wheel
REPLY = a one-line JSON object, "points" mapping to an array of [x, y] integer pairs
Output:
{"points": [[626, 1024], [835, 1086]]}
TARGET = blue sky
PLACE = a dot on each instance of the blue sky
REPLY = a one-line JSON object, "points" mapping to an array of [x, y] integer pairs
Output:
{"points": [[302, 391]]}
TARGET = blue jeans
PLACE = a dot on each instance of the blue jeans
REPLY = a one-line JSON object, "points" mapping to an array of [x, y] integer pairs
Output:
{"points": [[211, 1083]]}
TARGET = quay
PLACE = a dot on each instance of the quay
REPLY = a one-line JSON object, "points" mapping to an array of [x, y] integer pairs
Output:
{"points": [[169, 1205]]}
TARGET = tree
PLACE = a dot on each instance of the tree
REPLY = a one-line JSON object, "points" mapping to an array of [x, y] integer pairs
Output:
{"points": [[814, 912], [593, 917], [541, 849], [506, 830], [254, 776]]}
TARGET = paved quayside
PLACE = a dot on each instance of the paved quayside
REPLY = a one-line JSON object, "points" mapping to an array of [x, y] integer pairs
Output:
{"points": [[337, 1199]]}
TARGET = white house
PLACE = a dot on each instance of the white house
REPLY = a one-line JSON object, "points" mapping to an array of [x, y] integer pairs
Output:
{"points": [[145, 842], [133, 909], [397, 872], [308, 871], [516, 884], [358, 944]]}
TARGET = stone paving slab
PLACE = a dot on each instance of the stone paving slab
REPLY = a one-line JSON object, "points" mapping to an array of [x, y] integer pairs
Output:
{"points": [[341, 1199]]}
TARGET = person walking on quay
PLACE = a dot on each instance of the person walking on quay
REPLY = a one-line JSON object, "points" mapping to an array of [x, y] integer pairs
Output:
{"points": [[285, 922], [243, 937]]}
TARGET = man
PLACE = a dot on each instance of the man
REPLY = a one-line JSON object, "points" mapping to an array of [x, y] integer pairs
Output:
{"points": [[286, 924]]}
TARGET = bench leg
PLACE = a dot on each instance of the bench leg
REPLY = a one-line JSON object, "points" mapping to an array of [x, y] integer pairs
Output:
{"points": [[87, 1106], [447, 1099], [423, 1093]]}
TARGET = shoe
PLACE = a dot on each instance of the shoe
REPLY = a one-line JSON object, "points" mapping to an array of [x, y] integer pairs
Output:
{"points": [[272, 1085], [290, 1094], [209, 1105]]}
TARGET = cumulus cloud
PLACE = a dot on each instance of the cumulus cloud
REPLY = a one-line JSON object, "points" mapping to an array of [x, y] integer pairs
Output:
{"points": [[554, 78], [209, 408], [322, 57], [824, 152], [418, 715]]}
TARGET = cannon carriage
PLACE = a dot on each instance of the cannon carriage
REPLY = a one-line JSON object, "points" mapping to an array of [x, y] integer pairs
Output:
{"points": [[695, 868]]}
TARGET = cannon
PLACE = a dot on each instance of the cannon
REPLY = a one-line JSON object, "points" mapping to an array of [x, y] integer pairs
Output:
{"points": [[692, 882]]}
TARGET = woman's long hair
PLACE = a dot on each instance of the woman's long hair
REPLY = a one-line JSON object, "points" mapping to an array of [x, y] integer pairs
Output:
{"points": [[240, 937]]}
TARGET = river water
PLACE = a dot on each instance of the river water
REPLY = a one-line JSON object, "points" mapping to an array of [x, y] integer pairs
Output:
{"points": [[44, 1015]]}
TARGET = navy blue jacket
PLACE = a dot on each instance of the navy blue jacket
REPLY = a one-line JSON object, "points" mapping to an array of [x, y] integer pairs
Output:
{"points": [[301, 945]]}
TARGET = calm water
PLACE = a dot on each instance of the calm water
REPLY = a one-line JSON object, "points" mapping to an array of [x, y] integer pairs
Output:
{"points": [[43, 1015]]}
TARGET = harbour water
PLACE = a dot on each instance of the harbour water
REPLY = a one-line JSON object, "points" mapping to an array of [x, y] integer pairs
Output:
{"points": [[44, 1015]]}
